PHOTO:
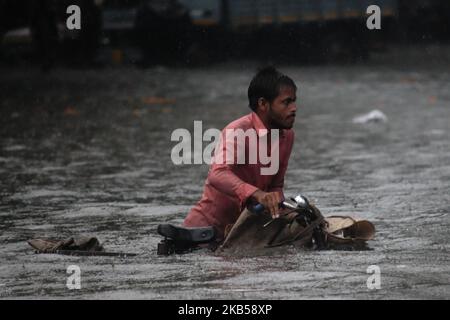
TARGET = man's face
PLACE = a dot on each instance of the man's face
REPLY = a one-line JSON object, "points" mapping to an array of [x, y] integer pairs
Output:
{"points": [[282, 110]]}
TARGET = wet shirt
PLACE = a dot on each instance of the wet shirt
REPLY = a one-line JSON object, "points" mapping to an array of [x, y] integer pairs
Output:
{"points": [[230, 184]]}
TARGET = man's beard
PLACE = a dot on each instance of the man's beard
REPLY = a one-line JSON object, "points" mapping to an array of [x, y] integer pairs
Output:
{"points": [[276, 123]]}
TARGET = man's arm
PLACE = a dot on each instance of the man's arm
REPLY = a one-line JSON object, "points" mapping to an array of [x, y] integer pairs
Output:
{"points": [[225, 180], [221, 175]]}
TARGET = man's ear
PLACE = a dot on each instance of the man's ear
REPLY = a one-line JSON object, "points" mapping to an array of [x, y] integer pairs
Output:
{"points": [[263, 104]]}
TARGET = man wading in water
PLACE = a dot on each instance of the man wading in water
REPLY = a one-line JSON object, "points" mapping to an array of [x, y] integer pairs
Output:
{"points": [[247, 171], [231, 186]]}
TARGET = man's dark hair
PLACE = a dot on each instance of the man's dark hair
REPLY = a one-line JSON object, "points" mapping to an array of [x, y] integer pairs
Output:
{"points": [[266, 84]]}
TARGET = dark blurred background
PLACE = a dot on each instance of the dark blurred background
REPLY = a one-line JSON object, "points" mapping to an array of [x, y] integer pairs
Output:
{"points": [[192, 32]]}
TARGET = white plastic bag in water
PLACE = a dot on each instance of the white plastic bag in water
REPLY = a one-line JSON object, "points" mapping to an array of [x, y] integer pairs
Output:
{"points": [[372, 116]]}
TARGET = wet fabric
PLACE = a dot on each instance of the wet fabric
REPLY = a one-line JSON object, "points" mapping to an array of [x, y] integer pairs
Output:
{"points": [[345, 232], [256, 232], [78, 244]]}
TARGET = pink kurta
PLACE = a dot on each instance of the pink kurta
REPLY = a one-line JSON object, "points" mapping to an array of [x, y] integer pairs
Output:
{"points": [[229, 186]]}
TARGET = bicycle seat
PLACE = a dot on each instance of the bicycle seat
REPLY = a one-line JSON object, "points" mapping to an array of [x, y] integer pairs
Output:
{"points": [[188, 235]]}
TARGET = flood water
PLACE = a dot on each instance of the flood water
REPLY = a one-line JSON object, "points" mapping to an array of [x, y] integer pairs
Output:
{"points": [[88, 153]]}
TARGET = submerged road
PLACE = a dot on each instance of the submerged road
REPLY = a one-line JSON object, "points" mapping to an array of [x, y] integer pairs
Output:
{"points": [[88, 153]]}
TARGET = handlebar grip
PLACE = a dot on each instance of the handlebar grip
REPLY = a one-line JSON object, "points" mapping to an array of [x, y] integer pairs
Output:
{"points": [[258, 209]]}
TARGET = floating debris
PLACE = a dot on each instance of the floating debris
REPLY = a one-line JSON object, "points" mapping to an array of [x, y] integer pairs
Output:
{"points": [[158, 100], [372, 116]]}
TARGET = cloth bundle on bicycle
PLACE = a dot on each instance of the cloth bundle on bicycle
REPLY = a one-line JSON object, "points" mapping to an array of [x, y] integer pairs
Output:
{"points": [[258, 231]]}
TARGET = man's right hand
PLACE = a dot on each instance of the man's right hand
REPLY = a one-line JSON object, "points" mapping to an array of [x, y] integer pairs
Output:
{"points": [[270, 201]]}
